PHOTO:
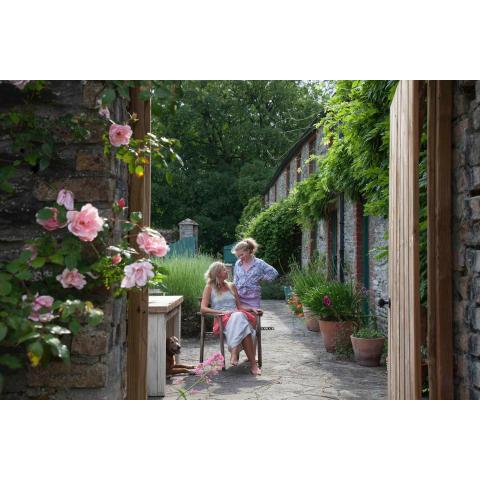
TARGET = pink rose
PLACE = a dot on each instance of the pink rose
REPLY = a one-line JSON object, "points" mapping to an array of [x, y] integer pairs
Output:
{"points": [[121, 203], [65, 198], [152, 244], [21, 84], [119, 134], [86, 223], [39, 303], [51, 223], [137, 274], [42, 301], [71, 278], [116, 259]]}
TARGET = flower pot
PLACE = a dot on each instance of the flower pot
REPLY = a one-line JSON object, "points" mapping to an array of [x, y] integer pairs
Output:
{"points": [[368, 351], [311, 320], [334, 332]]}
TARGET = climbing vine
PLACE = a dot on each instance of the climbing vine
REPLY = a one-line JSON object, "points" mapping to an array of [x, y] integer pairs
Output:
{"points": [[48, 291]]}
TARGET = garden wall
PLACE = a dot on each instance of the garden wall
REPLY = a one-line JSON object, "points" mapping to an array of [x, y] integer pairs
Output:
{"points": [[466, 238], [98, 355]]}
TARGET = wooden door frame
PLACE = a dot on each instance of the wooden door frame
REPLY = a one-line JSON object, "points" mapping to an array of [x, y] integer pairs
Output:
{"points": [[440, 262], [137, 319]]}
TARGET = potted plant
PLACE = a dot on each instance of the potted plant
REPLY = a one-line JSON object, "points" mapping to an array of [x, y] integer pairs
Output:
{"points": [[368, 343], [304, 280], [337, 305]]}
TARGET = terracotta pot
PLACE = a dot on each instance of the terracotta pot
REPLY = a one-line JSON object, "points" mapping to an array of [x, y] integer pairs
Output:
{"points": [[311, 320], [368, 351], [333, 332]]}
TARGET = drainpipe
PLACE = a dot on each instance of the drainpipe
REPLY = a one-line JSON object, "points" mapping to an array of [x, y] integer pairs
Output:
{"points": [[341, 221]]}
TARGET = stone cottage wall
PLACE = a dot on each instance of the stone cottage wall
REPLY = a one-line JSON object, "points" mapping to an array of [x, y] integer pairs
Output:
{"points": [[466, 238], [98, 355]]}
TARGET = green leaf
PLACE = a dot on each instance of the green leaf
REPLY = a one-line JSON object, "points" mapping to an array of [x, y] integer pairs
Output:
{"points": [[135, 217], [45, 214], [58, 348], [74, 326], [127, 226], [71, 261], [139, 172], [5, 287], [10, 361], [38, 262], [3, 331], [95, 316], [24, 275], [36, 348], [44, 163], [25, 256], [29, 336], [57, 258], [57, 330], [6, 187], [169, 177]]}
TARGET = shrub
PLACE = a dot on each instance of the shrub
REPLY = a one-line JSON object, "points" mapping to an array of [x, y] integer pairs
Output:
{"points": [[185, 277], [251, 210], [277, 231], [274, 290], [305, 279]]}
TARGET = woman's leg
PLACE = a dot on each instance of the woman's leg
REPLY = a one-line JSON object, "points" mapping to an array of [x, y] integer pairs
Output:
{"points": [[249, 348], [234, 354]]}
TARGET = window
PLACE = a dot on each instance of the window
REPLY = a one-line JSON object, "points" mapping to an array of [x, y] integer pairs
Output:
{"points": [[299, 168]]}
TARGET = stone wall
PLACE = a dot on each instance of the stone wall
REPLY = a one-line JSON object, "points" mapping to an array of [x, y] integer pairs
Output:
{"points": [[466, 237], [98, 355]]}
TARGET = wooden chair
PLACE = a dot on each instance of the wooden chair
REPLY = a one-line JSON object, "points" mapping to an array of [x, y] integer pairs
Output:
{"points": [[204, 333]]}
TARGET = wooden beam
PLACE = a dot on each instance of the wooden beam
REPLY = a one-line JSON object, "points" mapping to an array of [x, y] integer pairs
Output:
{"points": [[137, 323], [440, 271]]}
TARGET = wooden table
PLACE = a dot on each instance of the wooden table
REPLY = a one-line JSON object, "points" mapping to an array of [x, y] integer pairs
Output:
{"points": [[164, 320]]}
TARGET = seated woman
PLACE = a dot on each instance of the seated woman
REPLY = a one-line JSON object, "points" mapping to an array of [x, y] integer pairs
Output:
{"points": [[221, 297]]}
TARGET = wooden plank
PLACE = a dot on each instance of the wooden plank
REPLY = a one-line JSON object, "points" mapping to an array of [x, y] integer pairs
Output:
{"points": [[404, 318], [139, 200], [439, 199]]}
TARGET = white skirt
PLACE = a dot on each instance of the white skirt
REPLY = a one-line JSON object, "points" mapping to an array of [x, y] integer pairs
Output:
{"points": [[238, 327]]}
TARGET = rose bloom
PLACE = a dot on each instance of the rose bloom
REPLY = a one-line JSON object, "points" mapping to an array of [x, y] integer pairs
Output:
{"points": [[119, 134], [153, 245], [121, 203], [137, 274], [52, 223], [72, 278], [42, 301], [65, 198], [41, 317], [116, 259], [86, 223]]}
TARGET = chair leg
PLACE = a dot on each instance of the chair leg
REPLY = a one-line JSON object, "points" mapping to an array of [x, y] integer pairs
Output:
{"points": [[222, 343], [259, 340], [202, 337]]}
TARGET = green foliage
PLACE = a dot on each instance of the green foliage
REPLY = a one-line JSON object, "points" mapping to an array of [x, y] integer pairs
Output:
{"points": [[232, 135], [185, 276], [368, 332], [277, 232], [303, 280], [251, 210], [274, 290], [335, 300]]}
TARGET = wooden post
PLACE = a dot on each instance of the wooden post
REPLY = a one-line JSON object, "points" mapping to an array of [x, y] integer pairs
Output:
{"points": [[440, 297], [137, 323]]}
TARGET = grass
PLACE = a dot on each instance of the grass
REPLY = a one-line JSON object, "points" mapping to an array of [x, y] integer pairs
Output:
{"points": [[186, 277]]}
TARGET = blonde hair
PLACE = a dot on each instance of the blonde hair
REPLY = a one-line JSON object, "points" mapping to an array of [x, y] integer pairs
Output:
{"points": [[211, 275], [248, 244]]}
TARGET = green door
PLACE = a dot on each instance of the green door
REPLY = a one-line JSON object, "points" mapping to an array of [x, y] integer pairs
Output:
{"points": [[334, 255]]}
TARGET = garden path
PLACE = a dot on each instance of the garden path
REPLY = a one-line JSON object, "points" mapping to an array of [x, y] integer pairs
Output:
{"points": [[295, 366]]}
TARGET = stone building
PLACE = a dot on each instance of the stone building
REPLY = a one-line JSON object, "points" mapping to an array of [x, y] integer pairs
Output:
{"points": [[347, 238], [98, 355]]}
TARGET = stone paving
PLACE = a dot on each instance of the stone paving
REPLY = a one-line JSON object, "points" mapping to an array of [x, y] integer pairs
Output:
{"points": [[296, 366]]}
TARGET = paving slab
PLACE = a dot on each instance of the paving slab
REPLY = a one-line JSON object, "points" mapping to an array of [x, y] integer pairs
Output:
{"points": [[296, 366]]}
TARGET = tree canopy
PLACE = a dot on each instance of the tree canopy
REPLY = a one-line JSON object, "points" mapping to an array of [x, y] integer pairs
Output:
{"points": [[232, 135]]}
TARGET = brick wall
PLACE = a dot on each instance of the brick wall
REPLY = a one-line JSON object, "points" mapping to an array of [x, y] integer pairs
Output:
{"points": [[466, 238], [98, 355]]}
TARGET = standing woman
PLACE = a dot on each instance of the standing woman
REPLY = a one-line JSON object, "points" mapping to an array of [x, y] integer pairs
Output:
{"points": [[249, 271]]}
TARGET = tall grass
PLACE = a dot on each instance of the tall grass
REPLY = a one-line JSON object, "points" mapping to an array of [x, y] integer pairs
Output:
{"points": [[185, 276], [303, 280]]}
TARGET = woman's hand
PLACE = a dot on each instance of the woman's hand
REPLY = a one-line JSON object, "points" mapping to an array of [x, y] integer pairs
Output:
{"points": [[257, 311]]}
